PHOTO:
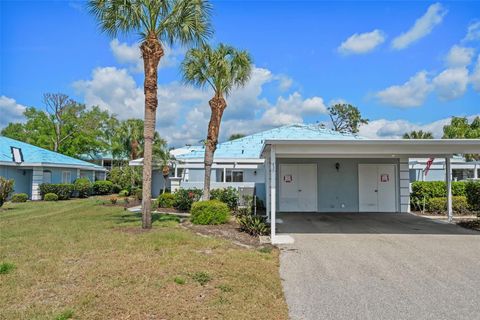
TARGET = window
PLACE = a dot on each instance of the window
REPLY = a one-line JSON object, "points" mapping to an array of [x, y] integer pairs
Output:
{"points": [[232, 176], [462, 174], [47, 176], [66, 177]]}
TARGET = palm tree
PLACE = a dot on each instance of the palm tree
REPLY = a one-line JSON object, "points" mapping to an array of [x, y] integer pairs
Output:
{"points": [[128, 139], [186, 22], [222, 68], [420, 134], [161, 155]]}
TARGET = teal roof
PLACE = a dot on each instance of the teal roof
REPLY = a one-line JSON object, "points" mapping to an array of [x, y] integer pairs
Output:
{"points": [[37, 155], [250, 147]]}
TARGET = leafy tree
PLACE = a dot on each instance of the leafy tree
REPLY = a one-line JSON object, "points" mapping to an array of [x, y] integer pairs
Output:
{"points": [[236, 136], [157, 22], [459, 128], [346, 118], [222, 69], [66, 127], [420, 134]]}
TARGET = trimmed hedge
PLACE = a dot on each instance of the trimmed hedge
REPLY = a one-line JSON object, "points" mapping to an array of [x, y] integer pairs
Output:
{"points": [[209, 212], [166, 200], [102, 187], [228, 196], [50, 197], [439, 205], [186, 197], [20, 197], [473, 194], [83, 187], [62, 190]]}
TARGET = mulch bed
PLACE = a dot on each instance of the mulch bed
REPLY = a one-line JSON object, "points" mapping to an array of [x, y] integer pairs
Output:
{"points": [[470, 224], [229, 231]]}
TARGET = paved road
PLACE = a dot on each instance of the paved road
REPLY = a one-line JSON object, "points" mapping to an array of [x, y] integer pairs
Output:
{"points": [[374, 266]]}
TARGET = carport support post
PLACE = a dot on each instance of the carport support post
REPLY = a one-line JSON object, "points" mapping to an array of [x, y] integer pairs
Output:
{"points": [[267, 185], [273, 184], [448, 170]]}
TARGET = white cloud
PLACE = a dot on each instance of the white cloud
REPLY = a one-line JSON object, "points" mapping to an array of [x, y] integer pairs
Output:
{"points": [[394, 129], [362, 43], [422, 27], [459, 56], [10, 110], [410, 94], [473, 32], [475, 77], [284, 82], [451, 83], [130, 55]]}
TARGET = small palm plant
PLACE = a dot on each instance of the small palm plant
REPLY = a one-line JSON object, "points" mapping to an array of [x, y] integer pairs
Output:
{"points": [[186, 22], [222, 69], [420, 134]]}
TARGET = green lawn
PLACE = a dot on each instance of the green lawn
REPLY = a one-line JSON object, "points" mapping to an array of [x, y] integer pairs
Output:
{"points": [[79, 259]]}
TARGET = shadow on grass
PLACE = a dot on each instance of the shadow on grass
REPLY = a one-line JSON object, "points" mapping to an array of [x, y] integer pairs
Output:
{"points": [[133, 217]]}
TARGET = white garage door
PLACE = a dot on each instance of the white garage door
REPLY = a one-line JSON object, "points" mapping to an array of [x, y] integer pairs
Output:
{"points": [[377, 188], [298, 188]]}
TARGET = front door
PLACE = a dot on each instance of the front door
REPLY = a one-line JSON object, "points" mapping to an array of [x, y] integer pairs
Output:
{"points": [[377, 188], [298, 188]]}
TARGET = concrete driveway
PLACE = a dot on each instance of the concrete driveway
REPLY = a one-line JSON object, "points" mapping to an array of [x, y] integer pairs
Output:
{"points": [[379, 266]]}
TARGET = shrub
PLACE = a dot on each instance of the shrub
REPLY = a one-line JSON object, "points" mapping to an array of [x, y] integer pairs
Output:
{"points": [[83, 186], [423, 191], [139, 194], [179, 280], [123, 193], [50, 197], [20, 197], [439, 205], [166, 200], [209, 212], [6, 189], [127, 177], [184, 198], [472, 189], [102, 187], [6, 267], [228, 195], [201, 277], [113, 200], [254, 225], [62, 190]]}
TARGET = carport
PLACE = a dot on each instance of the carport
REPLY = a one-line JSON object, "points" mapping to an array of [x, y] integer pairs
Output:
{"points": [[348, 175]]}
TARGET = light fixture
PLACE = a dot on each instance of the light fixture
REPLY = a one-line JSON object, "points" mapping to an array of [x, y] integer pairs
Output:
{"points": [[337, 166]]}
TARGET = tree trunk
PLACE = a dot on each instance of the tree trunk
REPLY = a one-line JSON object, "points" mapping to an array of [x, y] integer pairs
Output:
{"points": [[152, 52], [217, 105]]}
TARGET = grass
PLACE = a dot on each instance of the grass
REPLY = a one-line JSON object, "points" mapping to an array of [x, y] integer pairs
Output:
{"points": [[79, 259]]}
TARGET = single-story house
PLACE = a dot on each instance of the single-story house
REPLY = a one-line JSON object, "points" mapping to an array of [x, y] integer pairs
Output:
{"points": [[309, 168], [461, 169], [30, 166]]}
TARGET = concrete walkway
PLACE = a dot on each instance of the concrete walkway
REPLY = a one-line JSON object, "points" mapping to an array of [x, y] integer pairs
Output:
{"points": [[379, 266]]}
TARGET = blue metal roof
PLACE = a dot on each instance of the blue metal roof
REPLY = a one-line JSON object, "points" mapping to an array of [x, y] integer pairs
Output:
{"points": [[37, 155], [249, 147]]}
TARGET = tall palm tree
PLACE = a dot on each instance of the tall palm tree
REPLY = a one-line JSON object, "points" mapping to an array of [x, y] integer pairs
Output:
{"points": [[186, 22], [128, 138], [420, 134], [222, 69]]}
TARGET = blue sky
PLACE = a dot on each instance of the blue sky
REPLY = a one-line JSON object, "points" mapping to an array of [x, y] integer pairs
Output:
{"points": [[406, 65]]}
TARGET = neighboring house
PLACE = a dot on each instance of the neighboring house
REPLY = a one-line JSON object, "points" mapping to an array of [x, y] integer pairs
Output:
{"points": [[31, 166], [307, 168], [461, 169], [104, 159]]}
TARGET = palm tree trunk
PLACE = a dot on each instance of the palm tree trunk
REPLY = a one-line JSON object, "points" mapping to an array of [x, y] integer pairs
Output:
{"points": [[217, 105], [152, 52]]}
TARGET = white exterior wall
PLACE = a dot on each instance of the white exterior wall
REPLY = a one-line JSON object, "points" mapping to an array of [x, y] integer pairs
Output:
{"points": [[404, 185], [37, 180]]}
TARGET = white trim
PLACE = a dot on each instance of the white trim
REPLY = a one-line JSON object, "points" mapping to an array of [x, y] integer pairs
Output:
{"points": [[448, 177], [50, 165], [273, 174]]}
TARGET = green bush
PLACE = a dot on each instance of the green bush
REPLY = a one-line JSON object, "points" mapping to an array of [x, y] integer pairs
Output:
{"points": [[6, 189], [138, 194], [123, 193], [184, 198], [423, 191], [439, 205], [83, 186], [102, 187], [209, 212], [166, 200], [254, 225], [20, 197], [62, 190], [473, 194], [126, 177], [50, 197], [228, 196]]}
